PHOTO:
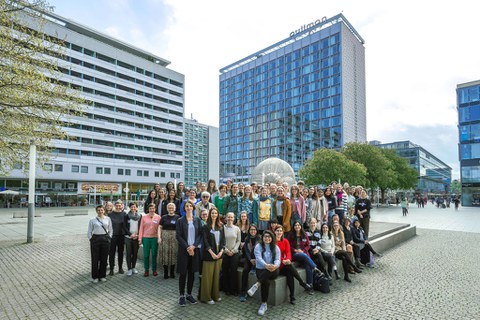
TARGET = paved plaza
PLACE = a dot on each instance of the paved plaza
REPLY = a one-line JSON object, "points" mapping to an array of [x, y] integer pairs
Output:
{"points": [[431, 276]]}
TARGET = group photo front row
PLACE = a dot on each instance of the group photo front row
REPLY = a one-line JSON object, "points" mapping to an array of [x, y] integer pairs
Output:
{"points": [[268, 231]]}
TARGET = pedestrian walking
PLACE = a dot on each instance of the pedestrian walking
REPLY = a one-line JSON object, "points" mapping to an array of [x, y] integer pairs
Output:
{"points": [[404, 205]]}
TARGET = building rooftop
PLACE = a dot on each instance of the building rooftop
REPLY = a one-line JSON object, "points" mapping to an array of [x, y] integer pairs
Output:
{"points": [[303, 32]]}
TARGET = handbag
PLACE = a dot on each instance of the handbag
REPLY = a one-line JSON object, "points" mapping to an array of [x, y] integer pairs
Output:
{"points": [[106, 232], [321, 283]]}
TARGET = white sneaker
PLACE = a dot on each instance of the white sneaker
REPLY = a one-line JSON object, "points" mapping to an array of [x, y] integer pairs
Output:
{"points": [[252, 290], [129, 272], [95, 280], [103, 279], [211, 302], [262, 309], [135, 271]]}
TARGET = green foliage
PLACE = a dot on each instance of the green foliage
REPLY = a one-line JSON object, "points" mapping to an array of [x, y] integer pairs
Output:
{"points": [[328, 165], [405, 176], [456, 187], [35, 105], [380, 170]]}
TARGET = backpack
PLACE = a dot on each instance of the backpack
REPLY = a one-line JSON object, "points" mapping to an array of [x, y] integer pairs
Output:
{"points": [[321, 283]]}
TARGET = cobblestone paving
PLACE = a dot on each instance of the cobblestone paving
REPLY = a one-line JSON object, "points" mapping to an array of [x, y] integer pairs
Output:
{"points": [[432, 276]]}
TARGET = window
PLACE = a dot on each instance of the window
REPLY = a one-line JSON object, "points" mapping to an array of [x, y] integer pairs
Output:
{"points": [[99, 170], [172, 175], [107, 170], [157, 174], [139, 173], [162, 174], [47, 167], [120, 172], [177, 175], [84, 169], [58, 167], [145, 173], [75, 168]]}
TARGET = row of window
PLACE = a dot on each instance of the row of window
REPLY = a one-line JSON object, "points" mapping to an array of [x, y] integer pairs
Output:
{"points": [[106, 170], [126, 134], [115, 156], [122, 64]]}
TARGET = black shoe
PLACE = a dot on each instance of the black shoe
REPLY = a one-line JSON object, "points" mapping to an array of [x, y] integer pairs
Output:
{"points": [[292, 300], [191, 299], [121, 271], [347, 279], [378, 255], [357, 270], [111, 273], [337, 277]]}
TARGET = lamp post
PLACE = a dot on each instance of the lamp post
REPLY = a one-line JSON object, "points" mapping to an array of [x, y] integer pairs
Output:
{"points": [[31, 191]]}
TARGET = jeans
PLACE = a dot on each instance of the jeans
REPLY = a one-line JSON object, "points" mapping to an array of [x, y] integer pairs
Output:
{"points": [[307, 262]]}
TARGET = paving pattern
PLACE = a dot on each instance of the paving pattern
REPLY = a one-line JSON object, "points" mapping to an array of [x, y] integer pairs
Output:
{"points": [[431, 276]]}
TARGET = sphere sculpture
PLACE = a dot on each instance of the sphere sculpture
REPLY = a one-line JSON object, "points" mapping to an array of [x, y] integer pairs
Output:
{"points": [[273, 170]]}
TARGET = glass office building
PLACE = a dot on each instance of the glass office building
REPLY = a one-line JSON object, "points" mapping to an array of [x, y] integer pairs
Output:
{"points": [[132, 129], [434, 176], [468, 105], [293, 97]]}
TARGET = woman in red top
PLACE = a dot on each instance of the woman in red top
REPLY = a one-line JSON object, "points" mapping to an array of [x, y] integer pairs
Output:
{"points": [[286, 267]]}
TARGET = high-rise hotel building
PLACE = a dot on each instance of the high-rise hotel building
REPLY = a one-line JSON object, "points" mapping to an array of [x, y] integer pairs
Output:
{"points": [[468, 105], [132, 130], [293, 97]]}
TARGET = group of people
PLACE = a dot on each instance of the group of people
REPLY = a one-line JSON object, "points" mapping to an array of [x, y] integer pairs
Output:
{"points": [[268, 229]]}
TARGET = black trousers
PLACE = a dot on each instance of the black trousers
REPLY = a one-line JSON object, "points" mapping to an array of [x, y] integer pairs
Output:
{"points": [[118, 242], [131, 248], [319, 261], [247, 266], [99, 247], [290, 272], [229, 273], [187, 277], [346, 262], [329, 258], [264, 276]]}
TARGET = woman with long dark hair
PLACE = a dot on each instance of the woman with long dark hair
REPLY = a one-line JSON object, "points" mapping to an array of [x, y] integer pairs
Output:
{"points": [[213, 246], [171, 198], [251, 241], [341, 252], [152, 198], [267, 258]]}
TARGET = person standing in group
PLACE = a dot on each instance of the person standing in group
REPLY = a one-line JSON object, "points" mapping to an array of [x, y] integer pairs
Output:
{"points": [[212, 189], [118, 240], [362, 211], [331, 200], [192, 194], [265, 211], [161, 199], [404, 205], [219, 200], [148, 237], [152, 198], [231, 255], [108, 207], [204, 202], [171, 198], [299, 211], [248, 203], [99, 233], [131, 227], [188, 235], [166, 241], [213, 247], [231, 201], [180, 193], [282, 210], [267, 262]]}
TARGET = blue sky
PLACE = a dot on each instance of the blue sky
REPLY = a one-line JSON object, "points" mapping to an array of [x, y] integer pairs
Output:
{"points": [[416, 52]]}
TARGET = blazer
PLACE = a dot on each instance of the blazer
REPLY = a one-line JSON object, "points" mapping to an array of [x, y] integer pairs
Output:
{"points": [[209, 242], [287, 213], [181, 235]]}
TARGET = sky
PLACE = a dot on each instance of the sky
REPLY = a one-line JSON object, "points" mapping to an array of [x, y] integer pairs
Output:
{"points": [[416, 52]]}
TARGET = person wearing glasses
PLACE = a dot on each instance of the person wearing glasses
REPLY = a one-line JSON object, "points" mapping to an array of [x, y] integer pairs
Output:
{"points": [[204, 202], [267, 263]]}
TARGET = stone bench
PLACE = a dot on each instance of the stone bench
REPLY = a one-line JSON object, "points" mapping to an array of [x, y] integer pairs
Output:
{"points": [[76, 212], [24, 214]]}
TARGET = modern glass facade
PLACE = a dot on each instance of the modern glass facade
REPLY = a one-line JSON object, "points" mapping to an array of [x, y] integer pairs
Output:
{"points": [[287, 100], [434, 176], [132, 128], [468, 105]]}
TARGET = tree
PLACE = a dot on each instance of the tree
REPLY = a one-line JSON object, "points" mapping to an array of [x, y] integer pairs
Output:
{"points": [[406, 177], [456, 187], [35, 105], [328, 165], [380, 173]]}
